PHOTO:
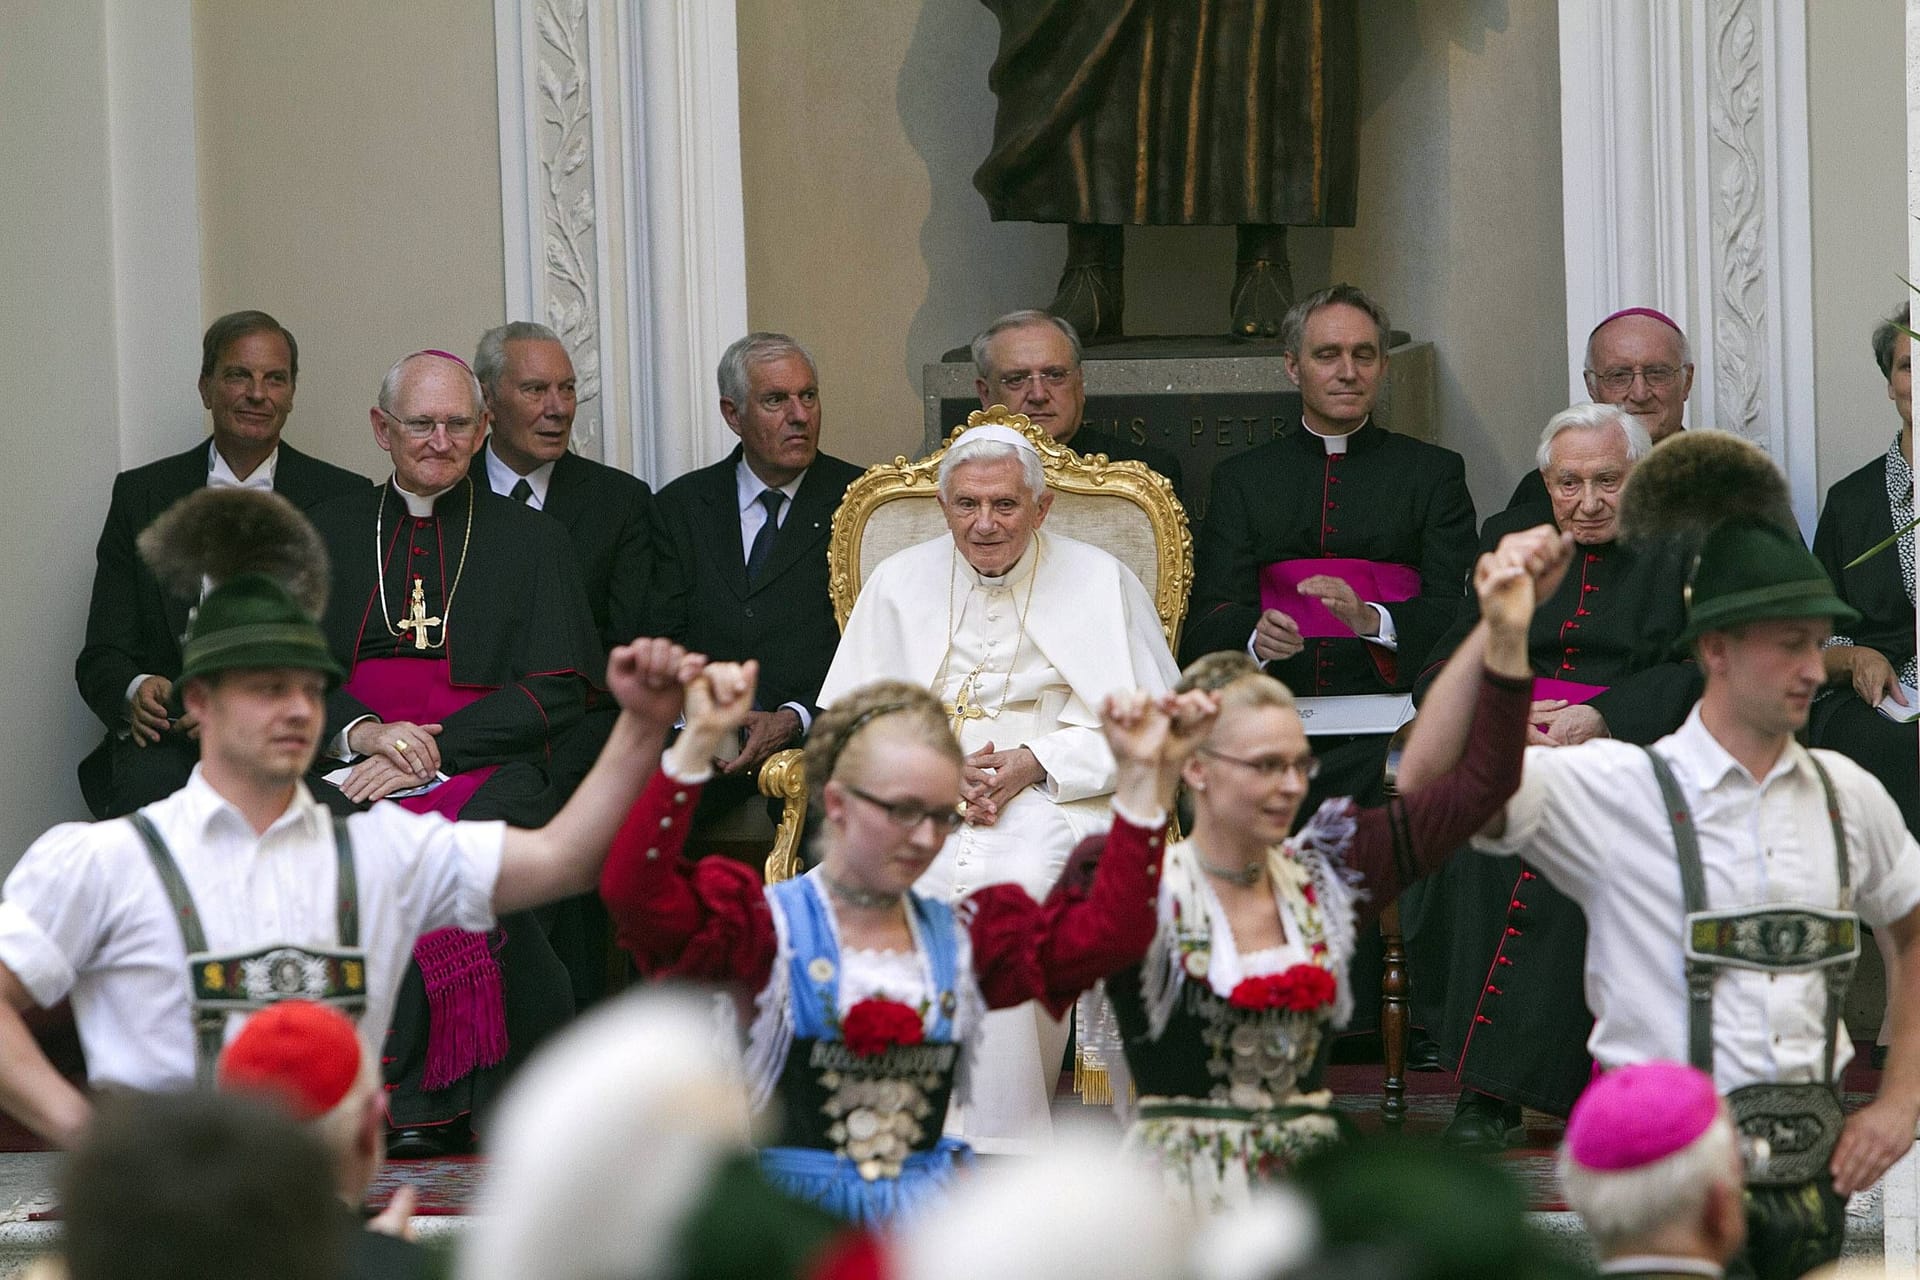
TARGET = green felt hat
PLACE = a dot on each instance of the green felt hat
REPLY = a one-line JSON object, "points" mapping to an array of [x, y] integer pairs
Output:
{"points": [[1749, 570], [251, 620]]}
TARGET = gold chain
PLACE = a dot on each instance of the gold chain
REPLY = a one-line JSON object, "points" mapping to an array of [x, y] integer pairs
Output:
{"points": [[958, 709], [380, 566]]}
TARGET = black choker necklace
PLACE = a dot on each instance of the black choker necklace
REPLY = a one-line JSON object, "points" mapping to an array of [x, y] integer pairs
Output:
{"points": [[1246, 877], [863, 898]]}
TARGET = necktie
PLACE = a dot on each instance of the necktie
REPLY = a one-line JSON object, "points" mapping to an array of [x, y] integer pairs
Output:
{"points": [[522, 492], [762, 546]]}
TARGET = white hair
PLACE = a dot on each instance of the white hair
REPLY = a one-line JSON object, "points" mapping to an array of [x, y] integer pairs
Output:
{"points": [[1591, 416], [1621, 1206], [605, 1141], [964, 451]]}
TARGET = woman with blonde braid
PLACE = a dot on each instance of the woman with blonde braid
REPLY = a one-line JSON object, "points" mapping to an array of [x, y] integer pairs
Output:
{"points": [[863, 995], [1225, 1023]]}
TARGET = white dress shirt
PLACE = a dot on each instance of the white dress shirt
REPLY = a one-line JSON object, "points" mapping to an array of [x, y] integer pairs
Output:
{"points": [[84, 913], [748, 487], [1591, 818], [501, 478]]}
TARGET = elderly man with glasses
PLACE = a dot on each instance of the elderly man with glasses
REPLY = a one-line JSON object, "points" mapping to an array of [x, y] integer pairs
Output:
{"points": [[1639, 359], [1029, 361], [1022, 634], [469, 647]]}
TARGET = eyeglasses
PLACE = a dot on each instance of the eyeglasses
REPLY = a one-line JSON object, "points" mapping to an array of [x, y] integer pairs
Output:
{"points": [[908, 814], [1658, 376], [421, 427], [1052, 377], [1269, 767]]}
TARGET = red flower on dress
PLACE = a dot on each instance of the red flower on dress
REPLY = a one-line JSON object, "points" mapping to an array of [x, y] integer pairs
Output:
{"points": [[1301, 988], [874, 1026]]}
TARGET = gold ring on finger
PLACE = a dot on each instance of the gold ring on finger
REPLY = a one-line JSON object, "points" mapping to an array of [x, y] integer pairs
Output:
{"points": [[400, 745]]}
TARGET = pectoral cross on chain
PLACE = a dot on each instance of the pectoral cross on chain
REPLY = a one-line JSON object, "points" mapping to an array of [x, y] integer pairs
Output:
{"points": [[417, 620]]}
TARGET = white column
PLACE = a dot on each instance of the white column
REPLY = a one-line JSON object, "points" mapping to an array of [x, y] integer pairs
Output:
{"points": [[624, 218], [1685, 187]]}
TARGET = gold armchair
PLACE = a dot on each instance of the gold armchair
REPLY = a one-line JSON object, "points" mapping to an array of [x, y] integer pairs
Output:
{"points": [[1122, 507]]}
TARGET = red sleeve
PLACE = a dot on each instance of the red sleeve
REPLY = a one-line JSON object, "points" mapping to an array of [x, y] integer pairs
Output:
{"points": [[1052, 951], [1413, 835], [678, 917]]}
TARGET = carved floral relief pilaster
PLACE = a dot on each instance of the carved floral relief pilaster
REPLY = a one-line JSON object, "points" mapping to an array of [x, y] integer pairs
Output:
{"points": [[565, 140], [1735, 85]]}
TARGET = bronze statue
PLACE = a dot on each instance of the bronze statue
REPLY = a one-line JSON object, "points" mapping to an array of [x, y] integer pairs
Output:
{"points": [[1174, 112]]}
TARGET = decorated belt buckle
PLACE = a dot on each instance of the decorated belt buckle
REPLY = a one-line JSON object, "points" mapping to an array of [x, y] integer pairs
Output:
{"points": [[1788, 1131], [237, 981], [1773, 939]]}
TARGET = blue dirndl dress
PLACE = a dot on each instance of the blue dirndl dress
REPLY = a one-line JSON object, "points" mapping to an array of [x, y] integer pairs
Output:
{"points": [[862, 1134]]}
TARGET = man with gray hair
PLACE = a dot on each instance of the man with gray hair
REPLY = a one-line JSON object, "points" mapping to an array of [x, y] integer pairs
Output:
{"points": [[531, 392], [740, 551], [1601, 649], [1652, 1165], [1022, 635], [470, 652], [1029, 361]]}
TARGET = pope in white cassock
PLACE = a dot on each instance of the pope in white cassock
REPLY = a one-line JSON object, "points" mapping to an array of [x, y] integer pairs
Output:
{"points": [[1021, 634]]}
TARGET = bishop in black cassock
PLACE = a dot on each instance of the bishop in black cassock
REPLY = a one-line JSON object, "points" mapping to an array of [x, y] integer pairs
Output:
{"points": [[464, 609]]}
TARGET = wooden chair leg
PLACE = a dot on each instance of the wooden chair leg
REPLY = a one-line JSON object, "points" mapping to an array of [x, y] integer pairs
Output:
{"points": [[1393, 1017]]}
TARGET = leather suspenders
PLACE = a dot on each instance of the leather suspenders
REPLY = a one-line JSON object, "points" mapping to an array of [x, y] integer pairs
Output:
{"points": [[1791, 939], [228, 983]]}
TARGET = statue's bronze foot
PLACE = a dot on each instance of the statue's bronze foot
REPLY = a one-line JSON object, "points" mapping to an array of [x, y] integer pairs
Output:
{"points": [[1091, 298], [1262, 292], [1262, 281]]}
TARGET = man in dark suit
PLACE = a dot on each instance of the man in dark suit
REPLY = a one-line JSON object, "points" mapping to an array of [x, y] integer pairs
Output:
{"points": [[1029, 361], [249, 364], [740, 548], [528, 378]]}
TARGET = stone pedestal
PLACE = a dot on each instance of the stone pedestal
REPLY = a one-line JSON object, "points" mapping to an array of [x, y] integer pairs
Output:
{"points": [[1203, 399]]}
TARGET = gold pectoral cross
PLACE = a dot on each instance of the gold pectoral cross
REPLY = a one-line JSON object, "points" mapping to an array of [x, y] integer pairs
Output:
{"points": [[963, 707], [417, 620]]}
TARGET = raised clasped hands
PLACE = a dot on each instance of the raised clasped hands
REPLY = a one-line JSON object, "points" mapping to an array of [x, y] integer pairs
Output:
{"points": [[648, 677], [1152, 736], [1524, 569]]}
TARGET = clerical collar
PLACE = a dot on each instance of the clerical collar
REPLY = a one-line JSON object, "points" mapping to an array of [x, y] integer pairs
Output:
{"points": [[501, 478], [220, 475], [748, 486], [1336, 444], [417, 506], [1022, 568]]}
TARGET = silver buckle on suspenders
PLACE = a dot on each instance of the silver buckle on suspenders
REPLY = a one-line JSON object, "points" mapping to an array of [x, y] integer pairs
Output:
{"points": [[1791, 1128], [232, 982]]}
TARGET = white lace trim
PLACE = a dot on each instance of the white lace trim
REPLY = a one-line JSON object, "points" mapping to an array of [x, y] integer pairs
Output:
{"points": [[1318, 853], [770, 1035]]}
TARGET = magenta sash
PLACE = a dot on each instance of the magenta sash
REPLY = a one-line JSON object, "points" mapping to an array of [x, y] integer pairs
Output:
{"points": [[466, 1004], [1374, 581]]}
